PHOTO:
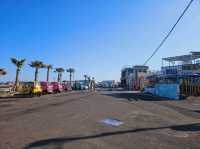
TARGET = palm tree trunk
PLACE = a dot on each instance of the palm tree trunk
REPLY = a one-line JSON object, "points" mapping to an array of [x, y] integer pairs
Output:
{"points": [[70, 78], [17, 77], [36, 74], [48, 70], [85, 81], [58, 79]]}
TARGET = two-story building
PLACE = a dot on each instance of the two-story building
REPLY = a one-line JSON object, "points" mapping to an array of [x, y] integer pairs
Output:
{"points": [[181, 65], [132, 78]]}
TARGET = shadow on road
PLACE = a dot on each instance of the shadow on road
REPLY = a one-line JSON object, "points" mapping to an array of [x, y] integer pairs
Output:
{"points": [[58, 143], [136, 96], [198, 111], [191, 127]]}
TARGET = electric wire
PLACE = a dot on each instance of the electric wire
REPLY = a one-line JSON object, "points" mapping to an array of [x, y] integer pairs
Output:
{"points": [[169, 33]]}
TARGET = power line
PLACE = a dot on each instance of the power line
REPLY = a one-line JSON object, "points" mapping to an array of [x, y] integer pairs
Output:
{"points": [[169, 33]]}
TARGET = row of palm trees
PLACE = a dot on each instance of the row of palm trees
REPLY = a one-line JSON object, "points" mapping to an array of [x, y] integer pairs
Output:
{"points": [[37, 65]]}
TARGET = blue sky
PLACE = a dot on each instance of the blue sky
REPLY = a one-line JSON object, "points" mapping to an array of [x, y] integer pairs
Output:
{"points": [[96, 37]]}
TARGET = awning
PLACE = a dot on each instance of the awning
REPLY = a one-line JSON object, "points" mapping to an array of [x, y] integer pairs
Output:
{"points": [[183, 58]]}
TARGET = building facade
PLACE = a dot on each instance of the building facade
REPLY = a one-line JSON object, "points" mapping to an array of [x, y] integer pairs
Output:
{"points": [[181, 65], [132, 78]]}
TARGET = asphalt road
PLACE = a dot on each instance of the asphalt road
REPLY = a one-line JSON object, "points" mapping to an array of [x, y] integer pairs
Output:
{"points": [[73, 121]]}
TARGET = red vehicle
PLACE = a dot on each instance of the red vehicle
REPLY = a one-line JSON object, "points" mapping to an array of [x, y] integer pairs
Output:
{"points": [[57, 87], [46, 87], [67, 87]]}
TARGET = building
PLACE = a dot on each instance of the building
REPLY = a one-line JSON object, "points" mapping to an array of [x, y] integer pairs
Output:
{"points": [[125, 73], [181, 65], [180, 77], [140, 72], [132, 78]]}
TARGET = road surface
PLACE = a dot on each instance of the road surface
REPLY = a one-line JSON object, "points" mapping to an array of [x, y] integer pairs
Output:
{"points": [[74, 120]]}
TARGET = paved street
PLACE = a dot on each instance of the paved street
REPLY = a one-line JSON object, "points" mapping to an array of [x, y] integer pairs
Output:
{"points": [[72, 120]]}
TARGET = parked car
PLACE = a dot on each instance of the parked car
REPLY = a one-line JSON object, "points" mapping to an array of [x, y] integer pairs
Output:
{"points": [[76, 86], [6, 90], [57, 87], [67, 87], [80, 85], [84, 87], [30, 88], [46, 87]]}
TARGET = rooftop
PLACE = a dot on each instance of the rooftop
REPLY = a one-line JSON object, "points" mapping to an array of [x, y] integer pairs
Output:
{"points": [[183, 58]]}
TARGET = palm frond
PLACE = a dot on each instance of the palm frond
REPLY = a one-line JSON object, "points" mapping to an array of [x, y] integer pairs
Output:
{"points": [[50, 66], [2, 72], [59, 70], [14, 61], [18, 63], [36, 64], [71, 70]]}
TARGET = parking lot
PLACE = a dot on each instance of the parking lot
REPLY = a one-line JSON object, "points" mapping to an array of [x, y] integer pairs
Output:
{"points": [[74, 120]]}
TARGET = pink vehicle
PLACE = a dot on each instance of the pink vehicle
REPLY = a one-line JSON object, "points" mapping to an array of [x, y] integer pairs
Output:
{"points": [[57, 87], [46, 87]]}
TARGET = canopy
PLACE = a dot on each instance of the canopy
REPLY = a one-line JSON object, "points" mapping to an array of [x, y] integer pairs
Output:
{"points": [[184, 58]]}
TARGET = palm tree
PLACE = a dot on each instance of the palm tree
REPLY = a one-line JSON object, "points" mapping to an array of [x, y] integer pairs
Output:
{"points": [[19, 64], [37, 65], [48, 67], [89, 81], [71, 71], [2, 72], [59, 71]]}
